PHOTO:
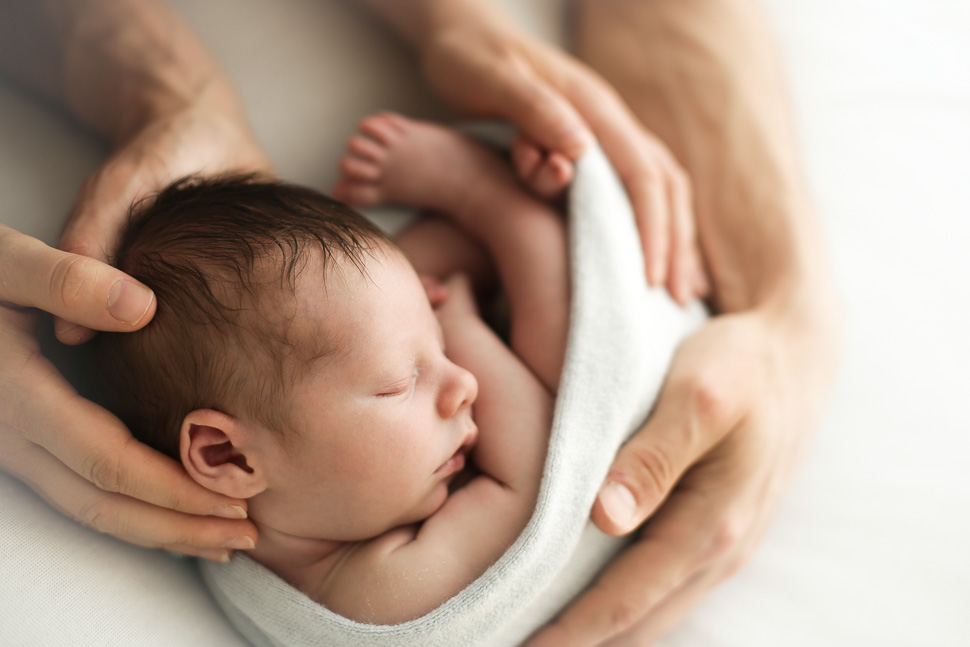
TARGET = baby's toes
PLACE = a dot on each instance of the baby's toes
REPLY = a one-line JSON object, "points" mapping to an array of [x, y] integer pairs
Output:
{"points": [[356, 194], [383, 127], [360, 170], [396, 122], [366, 148]]}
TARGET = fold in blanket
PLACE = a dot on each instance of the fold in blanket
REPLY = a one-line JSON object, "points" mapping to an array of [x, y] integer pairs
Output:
{"points": [[621, 340]]}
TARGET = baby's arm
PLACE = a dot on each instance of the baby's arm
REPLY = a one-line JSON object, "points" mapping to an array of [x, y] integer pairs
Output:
{"points": [[428, 166], [410, 571], [527, 241]]}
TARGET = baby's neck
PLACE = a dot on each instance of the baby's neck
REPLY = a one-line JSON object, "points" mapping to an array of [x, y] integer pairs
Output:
{"points": [[298, 560]]}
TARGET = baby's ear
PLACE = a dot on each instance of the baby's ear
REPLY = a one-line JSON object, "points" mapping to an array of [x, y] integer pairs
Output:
{"points": [[214, 452]]}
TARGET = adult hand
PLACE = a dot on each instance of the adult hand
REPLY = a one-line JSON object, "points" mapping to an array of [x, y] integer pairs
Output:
{"points": [[134, 72], [733, 421], [74, 454], [483, 66], [200, 138]]}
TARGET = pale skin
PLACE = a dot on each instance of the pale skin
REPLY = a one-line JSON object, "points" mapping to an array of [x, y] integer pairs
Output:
{"points": [[754, 379], [354, 508], [744, 395], [133, 71]]}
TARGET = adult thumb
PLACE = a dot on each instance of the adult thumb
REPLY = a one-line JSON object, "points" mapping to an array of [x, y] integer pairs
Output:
{"points": [[690, 418], [80, 290]]}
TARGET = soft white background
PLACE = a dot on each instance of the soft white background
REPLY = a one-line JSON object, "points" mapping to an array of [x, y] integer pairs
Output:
{"points": [[872, 545]]}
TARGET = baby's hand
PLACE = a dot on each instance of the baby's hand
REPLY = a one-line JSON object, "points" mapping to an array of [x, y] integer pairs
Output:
{"points": [[434, 288], [457, 298]]}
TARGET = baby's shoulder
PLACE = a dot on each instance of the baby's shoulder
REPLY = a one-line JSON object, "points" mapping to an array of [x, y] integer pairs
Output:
{"points": [[361, 586]]}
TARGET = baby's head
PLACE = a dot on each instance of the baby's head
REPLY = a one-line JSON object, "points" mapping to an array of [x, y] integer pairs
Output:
{"points": [[294, 359]]}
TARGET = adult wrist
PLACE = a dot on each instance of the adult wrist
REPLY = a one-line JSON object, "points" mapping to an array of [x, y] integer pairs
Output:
{"points": [[423, 23], [128, 64]]}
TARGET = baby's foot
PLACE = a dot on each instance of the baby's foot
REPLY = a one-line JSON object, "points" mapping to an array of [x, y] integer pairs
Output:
{"points": [[393, 159], [547, 174]]}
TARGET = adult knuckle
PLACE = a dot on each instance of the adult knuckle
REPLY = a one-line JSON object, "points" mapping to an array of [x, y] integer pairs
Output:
{"points": [[622, 614], [708, 399], [68, 279], [98, 515], [653, 469], [104, 471], [183, 537], [728, 533], [615, 613]]}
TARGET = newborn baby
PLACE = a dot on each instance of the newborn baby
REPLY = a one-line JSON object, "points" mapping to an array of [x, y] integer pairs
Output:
{"points": [[390, 451]]}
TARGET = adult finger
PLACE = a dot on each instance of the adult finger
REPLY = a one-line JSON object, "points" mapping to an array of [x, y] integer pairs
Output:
{"points": [[102, 451], [542, 114], [79, 289], [684, 252], [667, 614], [684, 538], [638, 159], [102, 205], [696, 409], [127, 518], [501, 82], [648, 197]]}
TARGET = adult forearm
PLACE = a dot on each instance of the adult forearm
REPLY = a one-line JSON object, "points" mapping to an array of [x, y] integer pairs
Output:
{"points": [[701, 75], [417, 21], [116, 64]]}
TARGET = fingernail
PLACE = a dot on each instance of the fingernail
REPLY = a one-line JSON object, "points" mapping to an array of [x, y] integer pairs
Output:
{"points": [[619, 505], [215, 555], [229, 512], [240, 542], [128, 302]]}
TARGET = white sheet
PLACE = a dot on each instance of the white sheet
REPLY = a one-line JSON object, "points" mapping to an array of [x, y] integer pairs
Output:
{"points": [[870, 545]]}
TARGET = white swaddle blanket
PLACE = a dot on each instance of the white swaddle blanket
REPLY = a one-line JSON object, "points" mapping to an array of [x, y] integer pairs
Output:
{"points": [[621, 340]]}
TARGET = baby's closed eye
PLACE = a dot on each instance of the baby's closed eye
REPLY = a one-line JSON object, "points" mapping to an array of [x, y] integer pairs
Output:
{"points": [[401, 387]]}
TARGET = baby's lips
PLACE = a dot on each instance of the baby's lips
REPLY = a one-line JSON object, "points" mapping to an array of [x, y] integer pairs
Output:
{"points": [[470, 439]]}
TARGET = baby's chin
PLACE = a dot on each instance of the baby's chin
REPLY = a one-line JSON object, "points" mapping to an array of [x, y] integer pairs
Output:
{"points": [[430, 505], [419, 513]]}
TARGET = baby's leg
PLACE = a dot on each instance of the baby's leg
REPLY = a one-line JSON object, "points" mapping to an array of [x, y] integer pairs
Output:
{"points": [[427, 166], [398, 160]]}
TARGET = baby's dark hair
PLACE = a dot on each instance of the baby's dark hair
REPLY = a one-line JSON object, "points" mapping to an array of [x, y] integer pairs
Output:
{"points": [[222, 256]]}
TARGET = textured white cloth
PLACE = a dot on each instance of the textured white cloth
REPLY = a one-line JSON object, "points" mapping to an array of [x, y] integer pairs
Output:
{"points": [[621, 339], [869, 545]]}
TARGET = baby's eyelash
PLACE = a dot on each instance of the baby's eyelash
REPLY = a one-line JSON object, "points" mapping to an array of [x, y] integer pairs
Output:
{"points": [[401, 387]]}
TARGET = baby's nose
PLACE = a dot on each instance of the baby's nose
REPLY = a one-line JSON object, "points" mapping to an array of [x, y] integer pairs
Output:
{"points": [[461, 390]]}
